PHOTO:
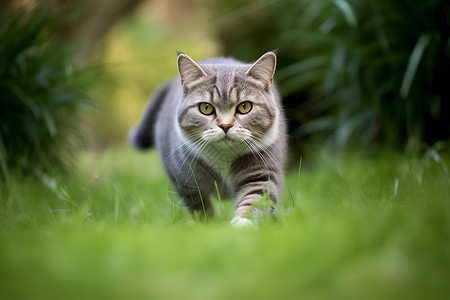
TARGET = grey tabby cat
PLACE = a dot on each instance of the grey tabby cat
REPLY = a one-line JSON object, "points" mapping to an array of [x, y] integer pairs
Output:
{"points": [[219, 123]]}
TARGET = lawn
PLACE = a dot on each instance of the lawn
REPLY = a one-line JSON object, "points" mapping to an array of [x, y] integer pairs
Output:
{"points": [[349, 227]]}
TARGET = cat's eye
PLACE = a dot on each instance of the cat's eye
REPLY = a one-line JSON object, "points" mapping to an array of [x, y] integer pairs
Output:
{"points": [[244, 107], [206, 108]]}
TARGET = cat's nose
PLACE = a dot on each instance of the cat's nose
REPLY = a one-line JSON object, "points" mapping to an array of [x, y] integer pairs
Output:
{"points": [[225, 127]]}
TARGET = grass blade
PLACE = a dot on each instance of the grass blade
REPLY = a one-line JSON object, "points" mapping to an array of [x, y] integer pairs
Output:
{"points": [[413, 64], [348, 12], [3, 160], [199, 192], [218, 195]]}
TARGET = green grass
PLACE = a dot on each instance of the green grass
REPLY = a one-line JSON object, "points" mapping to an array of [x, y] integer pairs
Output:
{"points": [[354, 228]]}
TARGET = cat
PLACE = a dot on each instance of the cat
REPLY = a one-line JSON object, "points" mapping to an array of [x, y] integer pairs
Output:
{"points": [[219, 128]]}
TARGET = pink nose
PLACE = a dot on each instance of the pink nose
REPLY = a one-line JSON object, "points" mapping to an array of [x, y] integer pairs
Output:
{"points": [[225, 127]]}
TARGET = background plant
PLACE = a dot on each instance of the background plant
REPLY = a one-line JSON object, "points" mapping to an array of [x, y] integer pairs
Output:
{"points": [[348, 227], [41, 92], [352, 72]]}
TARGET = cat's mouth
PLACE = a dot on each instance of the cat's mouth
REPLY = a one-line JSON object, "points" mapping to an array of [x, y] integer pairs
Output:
{"points": [[227, 139]]}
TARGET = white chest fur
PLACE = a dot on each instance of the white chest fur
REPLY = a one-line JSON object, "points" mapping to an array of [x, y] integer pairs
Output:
{"points": [[221, 155]]}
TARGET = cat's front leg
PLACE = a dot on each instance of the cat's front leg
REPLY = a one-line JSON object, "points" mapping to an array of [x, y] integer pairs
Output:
{"points": [[256, 193], [197, 203], [256, 205]]}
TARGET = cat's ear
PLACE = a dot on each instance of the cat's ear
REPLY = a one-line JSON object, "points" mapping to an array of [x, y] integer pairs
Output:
{"points": [[190, 72], [264, 68]]}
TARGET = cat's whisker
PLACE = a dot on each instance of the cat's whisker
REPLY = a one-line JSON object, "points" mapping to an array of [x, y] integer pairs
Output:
{"points": [[171, 131], [191, 149], [261, 136], [188, 146], [257, 148], [195, 150], [199, 152], [255, 151], [265, 149], [183, 143]]}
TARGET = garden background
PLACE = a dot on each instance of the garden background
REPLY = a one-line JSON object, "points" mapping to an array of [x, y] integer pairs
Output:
{"points": [[365, 211]]}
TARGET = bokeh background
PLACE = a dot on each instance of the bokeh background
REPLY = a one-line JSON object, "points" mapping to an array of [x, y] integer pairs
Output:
{"points": [[365, 212], [353, 74]]}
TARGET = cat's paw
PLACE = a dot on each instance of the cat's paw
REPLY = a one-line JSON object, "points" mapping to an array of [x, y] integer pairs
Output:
{"points": [[241, 222]]}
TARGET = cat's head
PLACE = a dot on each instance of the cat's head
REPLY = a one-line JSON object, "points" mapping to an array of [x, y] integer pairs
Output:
{"points": [[226, 101]]}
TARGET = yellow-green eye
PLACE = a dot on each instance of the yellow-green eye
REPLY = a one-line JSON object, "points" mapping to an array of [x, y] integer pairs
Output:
{"points": [[206, 108], [244, 107]]}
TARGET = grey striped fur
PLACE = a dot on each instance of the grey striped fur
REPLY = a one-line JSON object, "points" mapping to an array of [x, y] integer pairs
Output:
{"points": [[245, 155]]}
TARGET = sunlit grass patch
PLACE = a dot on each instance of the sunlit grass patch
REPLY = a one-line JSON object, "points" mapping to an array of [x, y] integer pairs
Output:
{"points": [[358, 228]]}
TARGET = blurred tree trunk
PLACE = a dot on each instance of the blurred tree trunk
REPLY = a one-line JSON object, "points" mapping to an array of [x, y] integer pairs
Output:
{"points": [[94, 20]]}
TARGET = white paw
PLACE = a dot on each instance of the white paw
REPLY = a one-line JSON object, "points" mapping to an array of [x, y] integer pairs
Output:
{"points": [[240, 222]]}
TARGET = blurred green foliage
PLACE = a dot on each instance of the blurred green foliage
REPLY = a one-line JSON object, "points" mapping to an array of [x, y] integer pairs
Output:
{"points": [[351, 72], [41, 92]]}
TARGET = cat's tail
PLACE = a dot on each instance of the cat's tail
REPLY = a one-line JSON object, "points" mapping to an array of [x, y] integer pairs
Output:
{"points": [[142, 135]]}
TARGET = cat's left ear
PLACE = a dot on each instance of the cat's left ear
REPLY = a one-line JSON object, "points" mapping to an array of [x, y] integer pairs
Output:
{"points": [[264, 68], [190, 72]]}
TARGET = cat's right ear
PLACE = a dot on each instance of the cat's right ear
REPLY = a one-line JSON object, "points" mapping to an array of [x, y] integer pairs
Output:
{"points": [[263, 69], [190, 72]]}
